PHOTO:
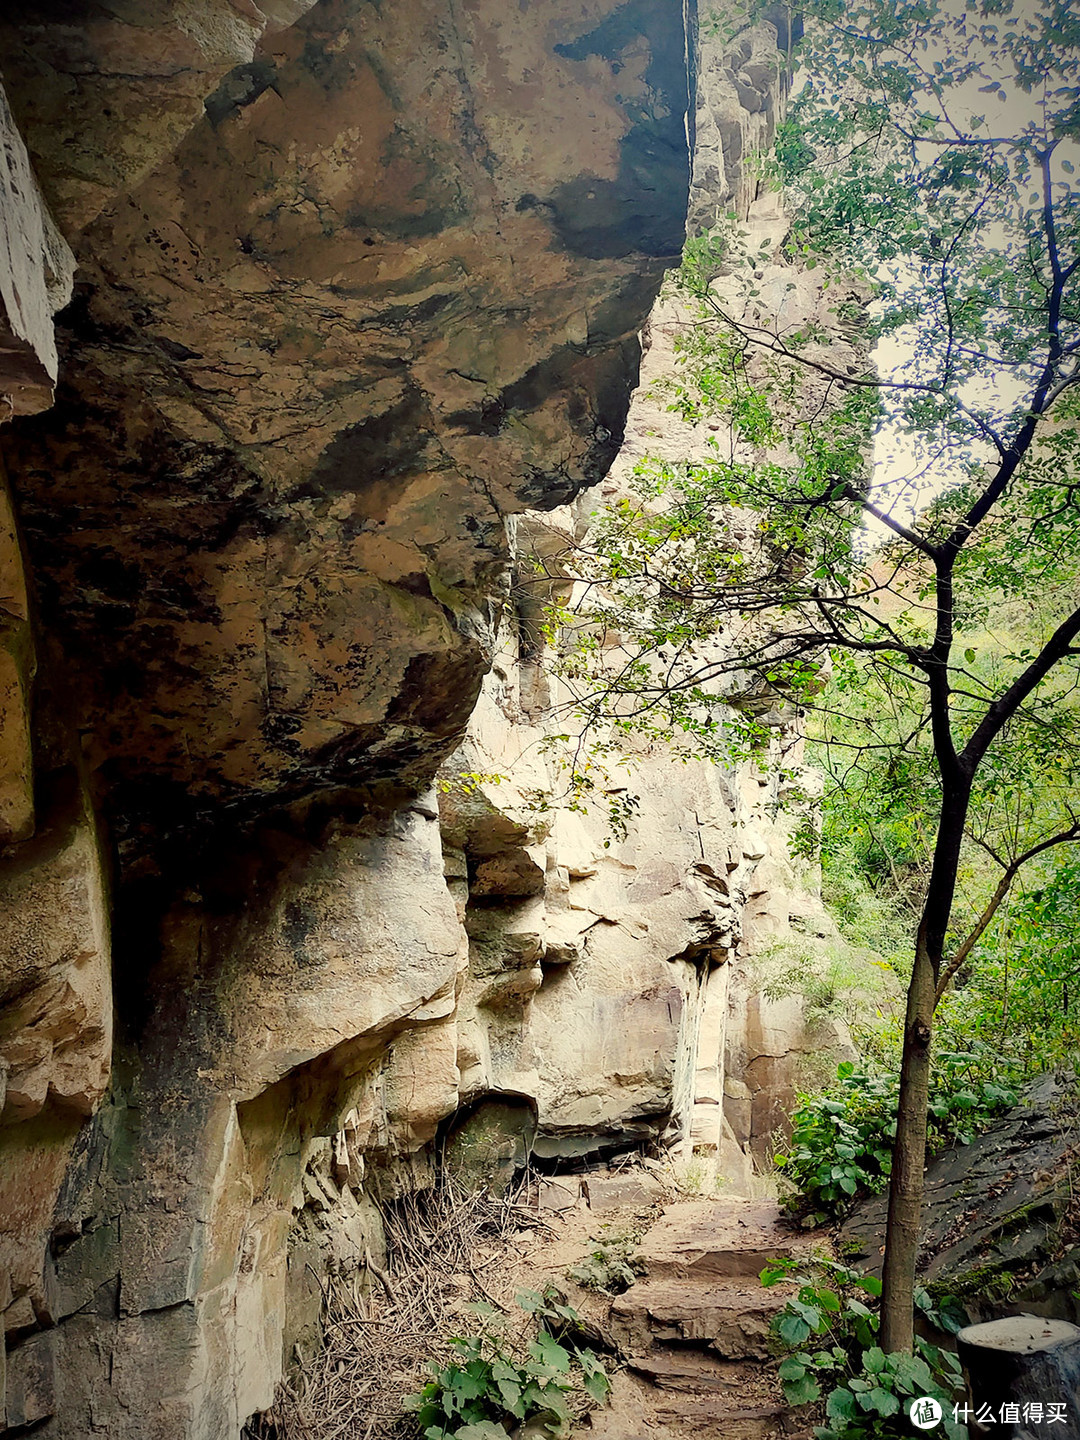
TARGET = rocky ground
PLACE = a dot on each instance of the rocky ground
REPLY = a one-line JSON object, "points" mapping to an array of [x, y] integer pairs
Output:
{"points": [[1001, 1217], [687, 1345], [692, 1335]]}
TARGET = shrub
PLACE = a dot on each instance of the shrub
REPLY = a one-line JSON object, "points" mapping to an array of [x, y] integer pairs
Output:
{"points": [[830, 1329], [497, 1381], [841, 1141]]}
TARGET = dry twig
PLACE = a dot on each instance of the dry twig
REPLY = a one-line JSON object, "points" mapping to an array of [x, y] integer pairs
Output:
{"points": [[441, 1246]]}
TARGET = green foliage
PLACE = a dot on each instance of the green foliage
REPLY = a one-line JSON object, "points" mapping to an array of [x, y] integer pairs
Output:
{"points": [[705, 257], [882, 793], [468, 782], [830, 1329], [497, 1382], [841, 1143], [1016, 998], [1020, 996], [713, 590], [613, 1265]]}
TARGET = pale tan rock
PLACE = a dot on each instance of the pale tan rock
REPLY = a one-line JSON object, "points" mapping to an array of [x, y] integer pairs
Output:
{"points": [[559, 1195], [56, 1025], [742, 91], [609, 1192], [36, 269]]}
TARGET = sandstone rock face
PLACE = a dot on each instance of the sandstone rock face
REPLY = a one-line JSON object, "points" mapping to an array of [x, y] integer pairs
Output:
{"points": [[354, 287], [383, 290], [605, 979], [999, 1229], [358, 287], [588, 993], [742, 86], [149, 71]]}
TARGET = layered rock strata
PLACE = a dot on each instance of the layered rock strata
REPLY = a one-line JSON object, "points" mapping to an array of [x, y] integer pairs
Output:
{"points": [[356, 286]]}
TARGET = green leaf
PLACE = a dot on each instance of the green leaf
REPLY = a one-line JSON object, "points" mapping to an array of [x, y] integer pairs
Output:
{"points": [[547, 1350], [841, 1404], [792, 1328], [510, 1394], [874, 1360], [802, 1392], [481, 1430], [468, 1386], [598, 1386], [775, 1270], [810, 1313], [883, 1401]]}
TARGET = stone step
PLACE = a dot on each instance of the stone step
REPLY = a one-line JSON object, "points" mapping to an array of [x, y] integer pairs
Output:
{"points": [[725, 1239], [704, 1416], [694, 1372], [641, 1411], [729, 1318]]}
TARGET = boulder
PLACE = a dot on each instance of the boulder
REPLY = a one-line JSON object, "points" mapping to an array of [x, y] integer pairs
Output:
{"points": [[998, 1214]]}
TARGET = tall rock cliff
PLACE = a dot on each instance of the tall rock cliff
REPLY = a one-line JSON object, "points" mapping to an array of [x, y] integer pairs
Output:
{"points": [[356, 286]]}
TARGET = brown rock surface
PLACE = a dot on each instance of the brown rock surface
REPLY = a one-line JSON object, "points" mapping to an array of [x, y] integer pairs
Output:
{"points": [[17, 664], [383, 291], [356, 284]]}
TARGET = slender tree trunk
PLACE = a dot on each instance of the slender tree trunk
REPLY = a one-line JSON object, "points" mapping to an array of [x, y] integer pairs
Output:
{"points": [[909, 1147], [909, 1159]]}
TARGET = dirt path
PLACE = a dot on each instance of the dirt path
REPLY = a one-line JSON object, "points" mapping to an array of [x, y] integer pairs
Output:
{"points": [[692, 1334], [687, 1345]]}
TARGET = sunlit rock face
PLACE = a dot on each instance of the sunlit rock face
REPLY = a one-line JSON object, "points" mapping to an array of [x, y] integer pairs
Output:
{"points": [[598, 960]]}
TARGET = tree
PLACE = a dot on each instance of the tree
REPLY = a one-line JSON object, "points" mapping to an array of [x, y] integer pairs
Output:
{"points": [[715, 590]]}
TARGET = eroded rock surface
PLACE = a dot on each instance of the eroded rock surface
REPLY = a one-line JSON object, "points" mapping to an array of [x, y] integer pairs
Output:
{"points": [[354, 285], [1000, 1221], [357, 286], [383, 290]]}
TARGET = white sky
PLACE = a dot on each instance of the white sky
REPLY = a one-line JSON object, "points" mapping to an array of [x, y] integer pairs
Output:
{"points": [[897, 462]]}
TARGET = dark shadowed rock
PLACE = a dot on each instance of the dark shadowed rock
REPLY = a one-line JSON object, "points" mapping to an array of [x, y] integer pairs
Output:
{"points": [[999, 1219], [379, 288]]}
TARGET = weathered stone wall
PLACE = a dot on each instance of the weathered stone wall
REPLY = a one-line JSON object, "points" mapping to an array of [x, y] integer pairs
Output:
{"points": [[357, 285], [382, 292]]}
